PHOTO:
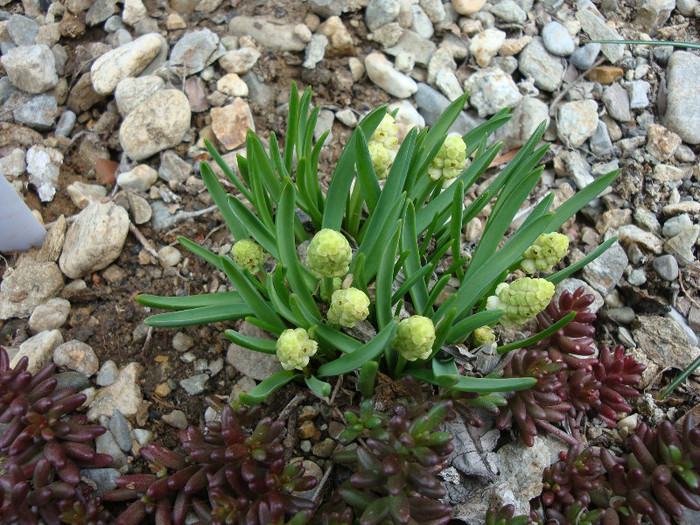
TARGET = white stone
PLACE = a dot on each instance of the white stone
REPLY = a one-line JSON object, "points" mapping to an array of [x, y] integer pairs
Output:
{"points": [[131, 92], [141, 178], [577, 122], [490, 90], [486, 44], [233, 85], [50, 315], [381, 71], [38, 349], [43, 166], [31, 68], [468, 7], [134, 11]]}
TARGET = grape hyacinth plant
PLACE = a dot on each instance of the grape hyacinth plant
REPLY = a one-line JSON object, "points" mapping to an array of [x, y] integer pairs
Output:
{"points": [[377, 249]]}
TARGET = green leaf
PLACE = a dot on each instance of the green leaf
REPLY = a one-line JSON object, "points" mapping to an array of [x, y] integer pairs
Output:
{"points": [[456, 227], [189, 301], [688, 45], [221, 200], [263, 165], [276, 156], [318, 387], [412, 264], [476, 136], [267, 387], [442, 330], [262, 235], [266, 346], [359, 357], [258, 306], [201, 252], [438, 287], [408, 283], [227, 170], [256, 321], [477, 384], [385, 278], [537, 337], [336, 339], [678, 380], [437, 133], [559, 276], [397, 179], [344, 172], [261, 200], [292, 123], [445, 371], [367, 378], [461, 330], [288, 251], [365, 172], [201, 315], [279, 296]]}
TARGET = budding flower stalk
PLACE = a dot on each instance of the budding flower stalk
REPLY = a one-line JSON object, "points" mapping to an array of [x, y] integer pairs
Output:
{"points": [[248, 255], [382, 146], [348, 307], [483, 335], [387, 133], [329, 254], [294, 348], [522, 300], [450, 160], [547, 250], [414, 338], [381, 159]]}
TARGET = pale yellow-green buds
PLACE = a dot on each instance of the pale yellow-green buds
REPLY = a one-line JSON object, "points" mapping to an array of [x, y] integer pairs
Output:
{"points": [[329, 254], [348, 307], [522, 300], [450, 160], [387, 133], [414, 338], [547, 250], [381, 159], [382, 146], [248, 255], [294, 348], [483, 335]]}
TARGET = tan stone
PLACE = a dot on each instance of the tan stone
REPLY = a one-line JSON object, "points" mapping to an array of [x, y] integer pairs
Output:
{"points": [[231, 123], [605, 74], [468, 7]]}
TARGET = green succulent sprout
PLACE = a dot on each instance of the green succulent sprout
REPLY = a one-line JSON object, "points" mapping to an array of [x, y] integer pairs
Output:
{"points": [[348, 307], [415, 337], [294, 348], [329, 254], [248, 254], [545, 252], [522, 300], [450, 160], [483, 335]]}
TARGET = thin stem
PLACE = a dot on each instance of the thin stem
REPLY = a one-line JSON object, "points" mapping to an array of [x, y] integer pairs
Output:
{"points": [[400, 363]]}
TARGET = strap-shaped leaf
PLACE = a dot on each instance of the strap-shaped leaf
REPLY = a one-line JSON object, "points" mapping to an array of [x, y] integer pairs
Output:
{"points": [[197, 316], [408, 283], [412, 264], [336, 339], [227, 170], [261, 200], [437, 133], [445, 371], [385, 278], [221, 200], [359, 357], [477, 384], [276, 156], [262, 235], [397, 179], [258, 306], [436, 290], [442, 330], [559, 276], [365, 172], [264, 168], [456, 227], [367, 378], [266, 346], [201, 252], [292, 127], [279, 296], [462, 329], [189, 301], [318, 387], [268, 386], [561, 323]]}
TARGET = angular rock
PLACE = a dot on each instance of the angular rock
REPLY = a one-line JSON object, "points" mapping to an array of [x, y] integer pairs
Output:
{"points": [[131, 92], [681, 245], [412, 43], [279, 37], [50, 315], [578, 121], [653, 14], [38, 349], [339, 38], [630, 233], [26, 287], [233, 85], [315, 51], [239, 61], [617, 103], [490, 90], [94, 240], [195, 385], [134, 12], [527, 115], [661, 142], [124, 394], [100, 11], [664, 342], [141, 178], [596, 27], [381, 72], [38, 113], [486, 44], [683, 97], [546, 69], [83, 194], [381, 12], [231, 123], [31, 68], [195, 51], [158, 123], [43, 166], [83, 96], [249, 363], [605, 272], [584, 57], [666, 266]]}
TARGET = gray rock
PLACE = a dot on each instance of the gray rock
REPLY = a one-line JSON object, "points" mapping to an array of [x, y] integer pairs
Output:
{"points": [[629, 233], [130, 92], [119, 428], [158, 123], [490, 90], [182, 342], [637, 277], [687, 7], [664, 342], [510, 12], [22, 30], [578, 169], [105, 444], [324, 123], [125, 61], [100, 11], [652, 14], [250, 363], [431, 104], [315, 51], [258, 91], [617, 102], [104, 479], [278, 37], [412, 43], [421, 23], [681, 245], [139, 209], [546, 69], [326, 8], [638, 91], [557, 39], [65, 123], [600, 142], [72, 380], [77, 356], [195, 384], [30, 284], [177, 419], [584, 57], [527, 115], [43, 166], [623, 314], [486, 44], [577, 122], [195, 51], [676, 225], [683, 98], [108, 373], [434, 9], [242, 60], [347, 116], [646, 218], [6, 89], [31, 68], [173, 168], [595, 25], [605, 272], [38, 113], [381, 72], [666, 266], [38, 349], [94, 240], [50, 315], [381, 12], [124, 394]]}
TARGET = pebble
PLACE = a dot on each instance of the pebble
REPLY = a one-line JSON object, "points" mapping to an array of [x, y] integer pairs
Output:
{"points": [[108, 373], [124, 394], [652, 14], [578, 168], [163, 390], [638, 91], [622, 314], [447, 82], [244, 384], [407, 117], [325, 448], [315, 51], [158, 123], [486, 44], [195, 384], [490, 90], [231, 84], [169, 256], [50, 315], [577, 122], [43, 166], [510, 12], [130, 92], [253, 364], [239, 61], [681, 245], [661, 142], [100, 11], [546, 69], [666, 266], [231, 123], [176, 419], [39, 112], [467, 7], [65, 123], [431, 103], [664, 341], [141, 178], [557, 39], [584, 57], [38, 349], [195, 51], [600, 142], [605, 272], [103, 478], [347, 116], [29, 285], [13, 165], [630, 233], [83, 194], [106, 444], [77, 356], [381, 12], [597, 28], [528, 114], [278, 37], [139, 208], [668, 173], [120, 430], [22, 30], [125, 61], [94, 240], [410, 42], [381, 72], [421, 23], [682, 207], [31, 68], [683, 97], [676, 225], [324, 123]]}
